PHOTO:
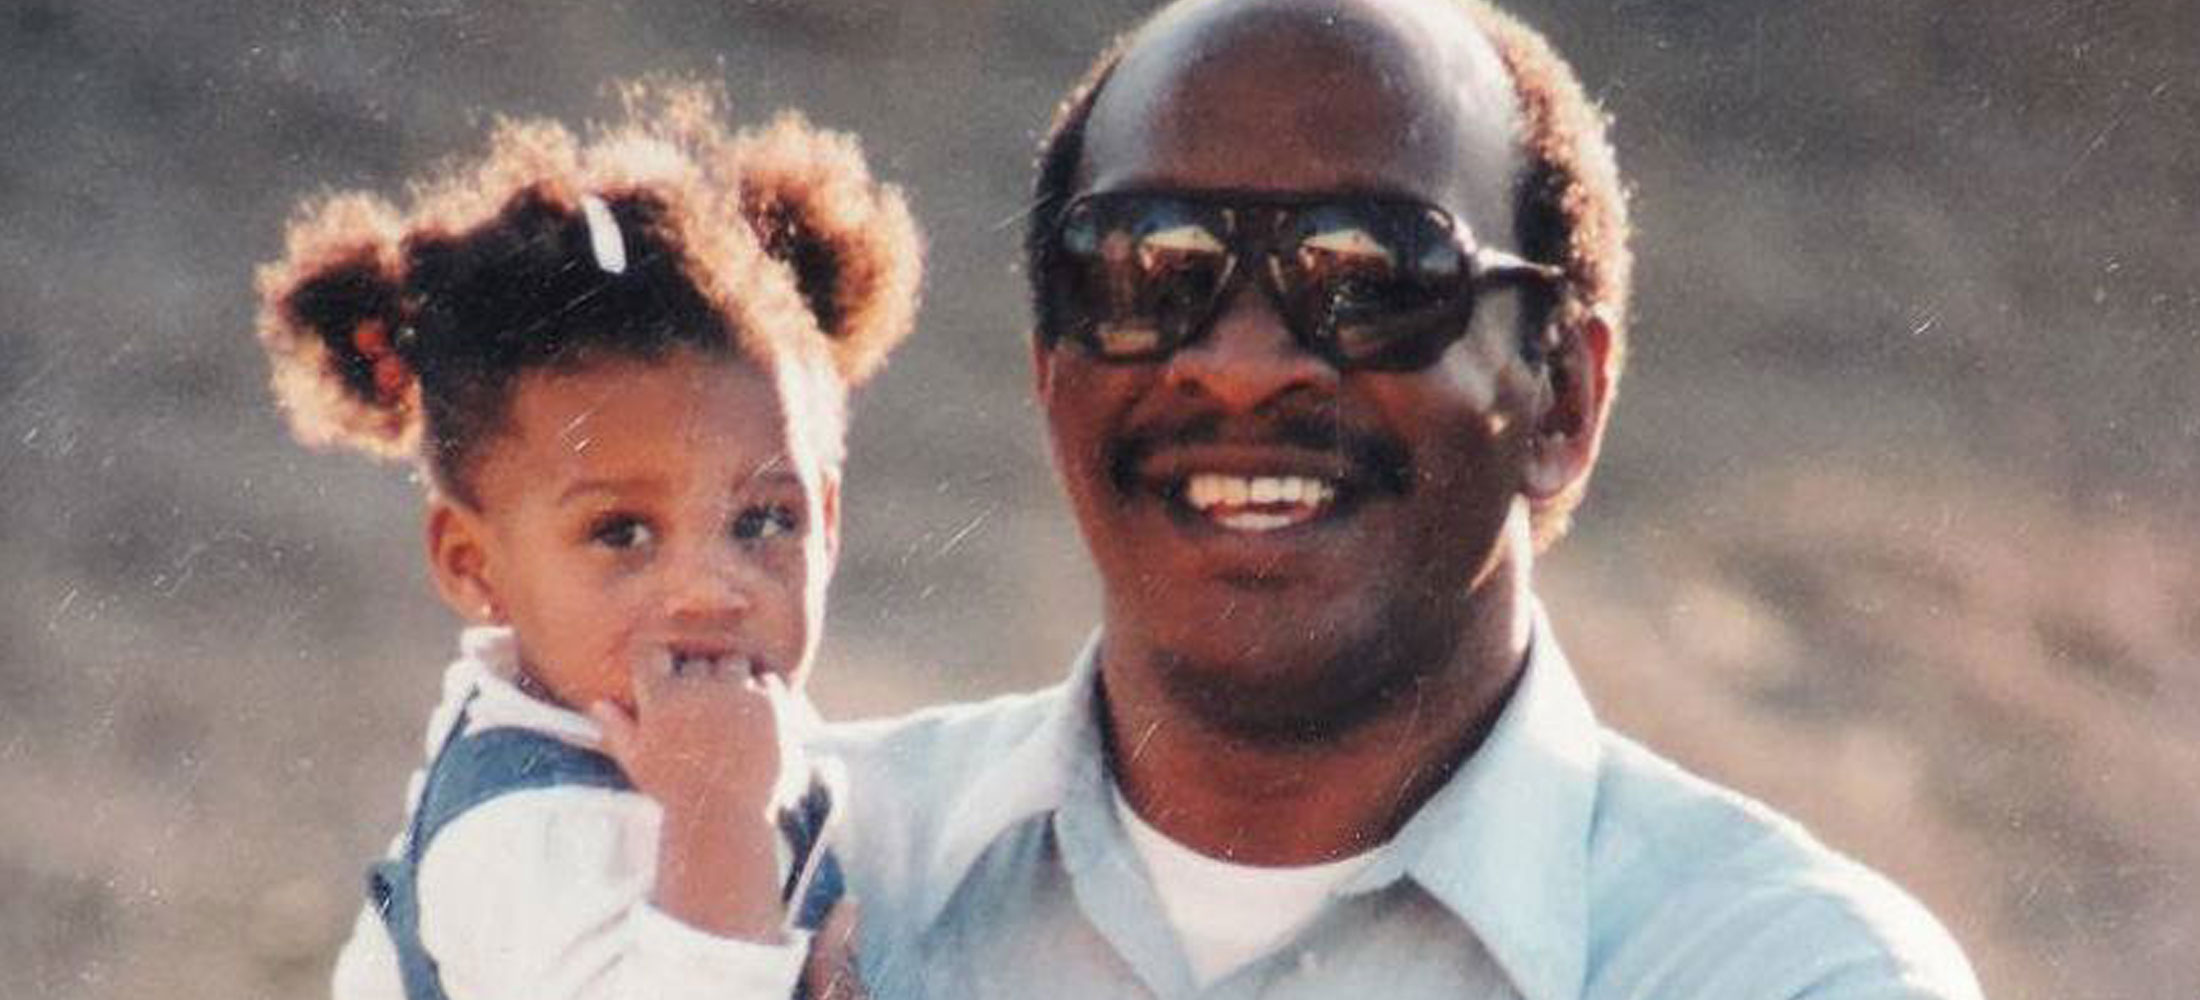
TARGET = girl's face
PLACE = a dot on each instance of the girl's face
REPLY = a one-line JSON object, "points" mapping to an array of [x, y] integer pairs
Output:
{"points": [[638, 509]]}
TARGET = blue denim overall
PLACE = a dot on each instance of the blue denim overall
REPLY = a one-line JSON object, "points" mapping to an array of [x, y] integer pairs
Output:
{"points": [[473, 768]]}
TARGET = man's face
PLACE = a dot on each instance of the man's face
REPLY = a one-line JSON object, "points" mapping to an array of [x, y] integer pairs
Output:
{"points": [[1391, 495]]}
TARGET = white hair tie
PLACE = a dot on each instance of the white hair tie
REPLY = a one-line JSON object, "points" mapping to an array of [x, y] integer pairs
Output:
{"points": [[603, 235]]}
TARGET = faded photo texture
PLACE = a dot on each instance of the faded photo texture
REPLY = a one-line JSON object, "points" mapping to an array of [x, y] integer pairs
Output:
{"points": [[1896, 527]]}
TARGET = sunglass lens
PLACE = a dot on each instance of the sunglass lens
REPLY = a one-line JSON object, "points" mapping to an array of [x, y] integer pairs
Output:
{"points": [[1382, 283], [1139, 275]]}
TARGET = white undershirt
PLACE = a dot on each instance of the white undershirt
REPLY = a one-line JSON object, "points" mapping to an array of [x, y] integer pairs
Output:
{"points": [[1226, 915]]}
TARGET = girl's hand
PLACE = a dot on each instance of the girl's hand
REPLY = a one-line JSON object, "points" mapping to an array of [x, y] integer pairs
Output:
{"points": [[705, 745]]}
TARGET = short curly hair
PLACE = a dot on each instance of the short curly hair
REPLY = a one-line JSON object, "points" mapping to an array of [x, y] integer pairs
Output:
{"points": [[1570, 206], [402, 332]]}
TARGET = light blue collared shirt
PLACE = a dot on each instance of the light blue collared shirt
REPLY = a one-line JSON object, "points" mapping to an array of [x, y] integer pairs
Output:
{"points": [[1561, 861]]}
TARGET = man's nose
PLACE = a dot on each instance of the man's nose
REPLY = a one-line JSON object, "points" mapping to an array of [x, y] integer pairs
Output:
{"points": [[1248, 356]]}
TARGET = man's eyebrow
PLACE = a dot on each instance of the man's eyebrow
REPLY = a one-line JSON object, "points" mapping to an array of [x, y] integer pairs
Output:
{"points": [[614, 485]]}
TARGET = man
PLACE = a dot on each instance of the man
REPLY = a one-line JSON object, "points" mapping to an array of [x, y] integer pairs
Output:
{"points": [[1330, 302]]}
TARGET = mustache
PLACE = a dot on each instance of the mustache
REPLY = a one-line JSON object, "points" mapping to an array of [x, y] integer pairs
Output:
{"points": [[1379, 460]]}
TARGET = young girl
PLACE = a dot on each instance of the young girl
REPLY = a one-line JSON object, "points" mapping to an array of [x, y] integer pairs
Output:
{"points": [[623, 367]]}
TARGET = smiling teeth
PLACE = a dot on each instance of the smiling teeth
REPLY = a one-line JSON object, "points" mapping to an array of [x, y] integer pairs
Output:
{"points": [[1223, 498], [1208, 490], [1255, 521]]}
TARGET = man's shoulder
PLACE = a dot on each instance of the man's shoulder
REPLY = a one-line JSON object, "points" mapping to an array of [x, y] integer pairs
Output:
{"points": [[928, 763], [1696, 885], [923, 783], [942, 742]]}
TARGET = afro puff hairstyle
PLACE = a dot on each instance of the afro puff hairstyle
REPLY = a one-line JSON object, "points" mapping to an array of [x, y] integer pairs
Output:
{"points": [[402, 331]]}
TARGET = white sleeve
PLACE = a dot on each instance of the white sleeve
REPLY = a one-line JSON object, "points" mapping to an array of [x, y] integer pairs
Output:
{"points": [[544, 894], [367, 967]]}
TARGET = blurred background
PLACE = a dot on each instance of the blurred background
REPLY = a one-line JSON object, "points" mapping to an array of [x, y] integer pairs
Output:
{"points": [[1896, 527]]}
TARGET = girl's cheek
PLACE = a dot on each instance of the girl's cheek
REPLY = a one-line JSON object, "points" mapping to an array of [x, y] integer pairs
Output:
{"points": [[617, 592]]}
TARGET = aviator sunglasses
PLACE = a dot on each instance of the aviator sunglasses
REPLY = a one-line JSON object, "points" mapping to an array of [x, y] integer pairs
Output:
{"points": [[1364, 282]]}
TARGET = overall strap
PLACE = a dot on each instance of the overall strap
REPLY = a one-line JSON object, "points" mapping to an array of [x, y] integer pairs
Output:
{"points": [[477, 767], [468, 770], [814, 882], [473, 768]]}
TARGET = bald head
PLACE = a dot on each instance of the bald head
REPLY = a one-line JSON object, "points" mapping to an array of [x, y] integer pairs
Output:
{"points": [[1396, 96]]}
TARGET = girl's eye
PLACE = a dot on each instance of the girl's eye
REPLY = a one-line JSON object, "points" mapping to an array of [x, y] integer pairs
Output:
{"points": [[621, 532], [767, 521]]}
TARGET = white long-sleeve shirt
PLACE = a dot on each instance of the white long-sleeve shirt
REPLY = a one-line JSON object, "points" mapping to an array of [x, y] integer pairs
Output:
{"points": [[1561, 861], [544, 893]]}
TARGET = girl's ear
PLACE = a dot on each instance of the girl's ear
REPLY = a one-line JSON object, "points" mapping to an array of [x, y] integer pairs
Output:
{"points": [[458, 557]]}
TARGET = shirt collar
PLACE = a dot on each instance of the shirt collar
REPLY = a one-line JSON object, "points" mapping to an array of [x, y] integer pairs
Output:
{"points": [[484, 681], [1503, 845]]}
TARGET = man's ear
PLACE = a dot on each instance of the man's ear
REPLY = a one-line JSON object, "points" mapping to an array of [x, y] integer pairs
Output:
{"points": [[458, 556], [1576, 395], [1042, 368]]}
